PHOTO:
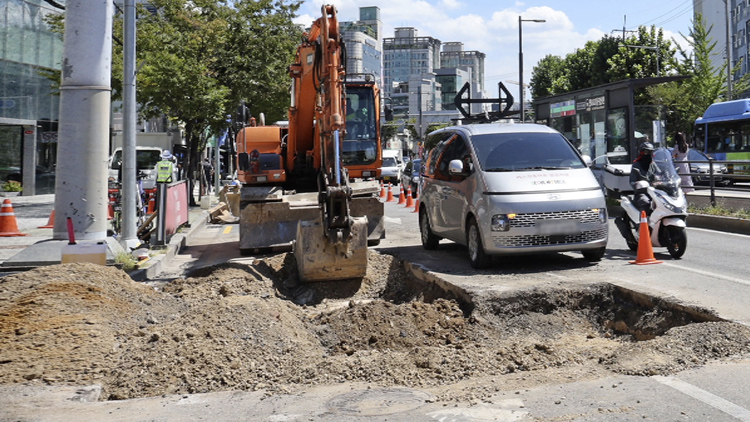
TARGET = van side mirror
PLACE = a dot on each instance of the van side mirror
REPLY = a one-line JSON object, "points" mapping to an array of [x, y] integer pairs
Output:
{"points": [[456, 168]]}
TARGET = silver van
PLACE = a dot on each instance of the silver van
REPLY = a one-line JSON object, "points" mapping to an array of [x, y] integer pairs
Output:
{"points": [[503, 188]]}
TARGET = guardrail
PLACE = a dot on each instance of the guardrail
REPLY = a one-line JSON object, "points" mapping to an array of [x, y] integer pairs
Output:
{"points": [[714, 176]]}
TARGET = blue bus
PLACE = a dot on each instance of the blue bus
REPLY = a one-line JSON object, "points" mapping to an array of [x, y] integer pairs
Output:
{"points": [[723, 132]]}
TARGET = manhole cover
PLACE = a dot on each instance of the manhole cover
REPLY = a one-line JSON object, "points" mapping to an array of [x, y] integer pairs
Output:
{"points": [[378, 401]]}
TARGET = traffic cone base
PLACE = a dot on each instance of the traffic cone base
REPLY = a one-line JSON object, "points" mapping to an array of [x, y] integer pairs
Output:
{"points": [[645, 250], [8, 223], [50, 223]]}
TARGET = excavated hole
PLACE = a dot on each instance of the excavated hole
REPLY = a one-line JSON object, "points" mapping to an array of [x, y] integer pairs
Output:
{"points": [[613, 310], [256, 327]]}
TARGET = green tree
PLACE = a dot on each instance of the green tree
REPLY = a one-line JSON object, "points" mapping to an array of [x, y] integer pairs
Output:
{"points": [[548, 77], [604, 61], [687, 100], [197, 59]]}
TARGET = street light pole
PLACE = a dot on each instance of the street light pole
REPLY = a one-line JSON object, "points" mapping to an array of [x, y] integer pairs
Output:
{"points": [[520, 63]]}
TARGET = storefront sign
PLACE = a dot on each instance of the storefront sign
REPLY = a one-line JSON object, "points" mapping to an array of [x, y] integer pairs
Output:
{"points": [[590, 104], [565, 108]]}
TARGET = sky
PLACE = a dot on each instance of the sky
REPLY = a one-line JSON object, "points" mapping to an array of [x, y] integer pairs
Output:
{"points": [[491, 26]]}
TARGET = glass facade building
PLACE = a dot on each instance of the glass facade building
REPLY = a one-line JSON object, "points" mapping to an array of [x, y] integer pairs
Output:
{"points": [[29, 51]]}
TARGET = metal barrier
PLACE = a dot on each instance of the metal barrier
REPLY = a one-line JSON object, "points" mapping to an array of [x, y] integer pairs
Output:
{"points": [[714, 175]]}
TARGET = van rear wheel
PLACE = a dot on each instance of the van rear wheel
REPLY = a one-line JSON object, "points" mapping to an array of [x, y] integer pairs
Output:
{"points": [[478, 258]]}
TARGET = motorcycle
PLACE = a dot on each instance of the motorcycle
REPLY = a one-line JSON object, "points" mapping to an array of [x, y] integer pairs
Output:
{"points": [[667, 220]]}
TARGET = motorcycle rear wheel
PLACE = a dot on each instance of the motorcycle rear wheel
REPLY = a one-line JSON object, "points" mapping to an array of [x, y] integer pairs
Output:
{"points": [[677, 241]]}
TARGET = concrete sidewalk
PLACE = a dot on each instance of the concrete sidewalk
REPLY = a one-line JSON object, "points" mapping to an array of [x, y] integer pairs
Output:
{"points": [[38, 248]]}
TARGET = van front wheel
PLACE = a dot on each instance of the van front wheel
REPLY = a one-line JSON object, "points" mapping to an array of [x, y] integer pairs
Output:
{"points": [[429, 239], [478, 258]]}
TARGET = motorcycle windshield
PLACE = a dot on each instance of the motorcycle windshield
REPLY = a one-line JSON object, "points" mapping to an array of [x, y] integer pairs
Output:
{"points": [[663, 172]]}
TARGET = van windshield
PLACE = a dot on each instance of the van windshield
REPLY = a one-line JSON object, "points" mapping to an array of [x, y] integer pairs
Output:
{"points": [[525, 151]]}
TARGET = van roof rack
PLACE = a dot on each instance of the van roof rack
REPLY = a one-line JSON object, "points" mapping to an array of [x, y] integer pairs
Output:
{"points": [[503, 103]]}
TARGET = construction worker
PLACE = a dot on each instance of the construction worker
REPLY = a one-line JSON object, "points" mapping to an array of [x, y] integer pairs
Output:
{"points": [[165, 168]]}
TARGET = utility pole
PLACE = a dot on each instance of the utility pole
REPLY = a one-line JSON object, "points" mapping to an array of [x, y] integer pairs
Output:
{"points": [[83, 136]]}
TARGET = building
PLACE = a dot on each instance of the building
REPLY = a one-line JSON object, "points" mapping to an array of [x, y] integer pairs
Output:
{"points": [[29, 108], [363, 40], [407, 54], [453, 56]]}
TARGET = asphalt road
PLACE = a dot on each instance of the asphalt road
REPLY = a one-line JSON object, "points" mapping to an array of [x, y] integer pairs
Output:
{"points": [[712, 274]]}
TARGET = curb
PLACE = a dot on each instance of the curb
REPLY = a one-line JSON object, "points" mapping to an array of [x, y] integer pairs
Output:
{"points": [[719, 223], [176, 244]]}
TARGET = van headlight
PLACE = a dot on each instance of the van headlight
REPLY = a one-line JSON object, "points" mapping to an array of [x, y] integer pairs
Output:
{"points": [[602, 214], [501, 222]]}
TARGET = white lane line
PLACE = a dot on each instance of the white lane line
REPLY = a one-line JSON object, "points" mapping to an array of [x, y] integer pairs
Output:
{"points": [[704, 396], [392, 220], [708, 274]]}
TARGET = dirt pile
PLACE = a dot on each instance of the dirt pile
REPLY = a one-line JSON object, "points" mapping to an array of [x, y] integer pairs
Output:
{"points": [[257, 328]]}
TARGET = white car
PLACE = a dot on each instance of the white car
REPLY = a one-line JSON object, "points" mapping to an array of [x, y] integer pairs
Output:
{"points": [[505, 189], [391, 169]]}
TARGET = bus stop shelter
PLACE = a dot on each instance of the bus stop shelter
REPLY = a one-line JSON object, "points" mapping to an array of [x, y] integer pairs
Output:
{"points": [[605, 123]]}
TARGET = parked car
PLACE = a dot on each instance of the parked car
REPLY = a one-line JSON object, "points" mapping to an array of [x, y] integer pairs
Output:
{"points": [[701, 170], [506, 189], [411, 175]]}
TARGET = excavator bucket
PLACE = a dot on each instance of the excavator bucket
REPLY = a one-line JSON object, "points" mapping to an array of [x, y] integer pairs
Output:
{"points": [[318, 259]]}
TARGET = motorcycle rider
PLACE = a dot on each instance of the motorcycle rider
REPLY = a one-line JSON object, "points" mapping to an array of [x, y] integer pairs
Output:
{"points": [[641, 176]]}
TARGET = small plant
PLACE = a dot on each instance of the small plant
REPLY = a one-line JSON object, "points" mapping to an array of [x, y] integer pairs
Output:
{"points": [[12, 186], [125, 261], [720, 210]]}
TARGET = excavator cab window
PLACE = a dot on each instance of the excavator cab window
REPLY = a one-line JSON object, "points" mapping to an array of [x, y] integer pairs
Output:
{"points": [[360, 141]]}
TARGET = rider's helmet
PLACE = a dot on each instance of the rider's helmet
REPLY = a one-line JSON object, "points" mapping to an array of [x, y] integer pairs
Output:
{"points": [[646, 146]]}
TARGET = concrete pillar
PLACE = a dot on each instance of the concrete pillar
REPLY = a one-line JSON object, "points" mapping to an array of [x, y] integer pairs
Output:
{"points": [[83, 135]]}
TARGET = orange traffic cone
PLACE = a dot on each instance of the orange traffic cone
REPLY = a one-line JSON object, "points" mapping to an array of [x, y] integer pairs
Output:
{"points": [[382, 189], [416, 204], [409, 199], [389, 198], [401, 196], [8, 224], [645, 250], [50, 223]]}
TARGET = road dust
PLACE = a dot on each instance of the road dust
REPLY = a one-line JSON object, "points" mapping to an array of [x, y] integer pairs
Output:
{"points": [[256, 327]]}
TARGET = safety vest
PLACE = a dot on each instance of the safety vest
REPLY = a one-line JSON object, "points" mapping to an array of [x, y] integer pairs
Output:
{"points": [[164, 171]]}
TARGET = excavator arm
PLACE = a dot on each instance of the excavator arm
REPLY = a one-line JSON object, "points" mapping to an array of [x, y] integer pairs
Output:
{"points": [[335, 245]]}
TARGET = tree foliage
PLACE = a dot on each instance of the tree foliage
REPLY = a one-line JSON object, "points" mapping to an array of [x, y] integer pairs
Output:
{"points": [[198, 59], [687, 100], [607, 60]]}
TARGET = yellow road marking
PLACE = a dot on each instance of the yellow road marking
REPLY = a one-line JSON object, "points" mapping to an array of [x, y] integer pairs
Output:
{"points": [[227, 229]]}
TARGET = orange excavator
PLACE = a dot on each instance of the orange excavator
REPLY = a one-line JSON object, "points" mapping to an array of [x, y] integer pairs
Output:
{"points": [[311, 184]]}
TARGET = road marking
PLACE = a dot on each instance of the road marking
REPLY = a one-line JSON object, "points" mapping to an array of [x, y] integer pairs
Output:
{"points": [[708, 274], [714, 231], [392, 220], [227, 229], [704, 396]]}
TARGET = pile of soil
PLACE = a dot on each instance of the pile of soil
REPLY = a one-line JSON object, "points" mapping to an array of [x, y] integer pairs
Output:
{"points": [[256, 327]]}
